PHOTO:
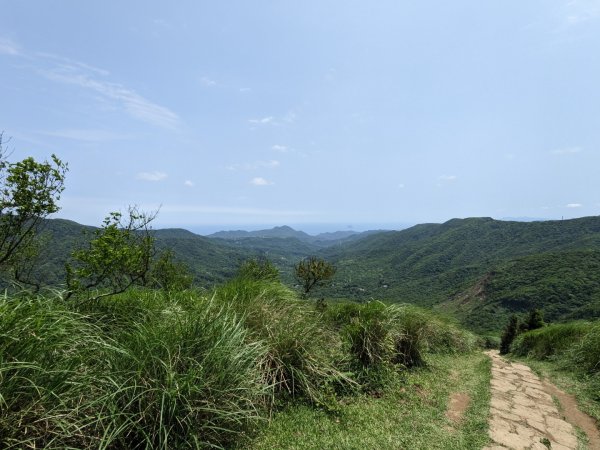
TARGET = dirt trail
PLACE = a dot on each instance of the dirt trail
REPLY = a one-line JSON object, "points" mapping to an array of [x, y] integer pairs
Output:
{"points": [[523, 414]]}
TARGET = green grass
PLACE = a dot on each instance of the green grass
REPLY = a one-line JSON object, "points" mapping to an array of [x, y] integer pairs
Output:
{"points": [[568, 354], [155, 369], [410, 414], [552, 341], [142, 370]]}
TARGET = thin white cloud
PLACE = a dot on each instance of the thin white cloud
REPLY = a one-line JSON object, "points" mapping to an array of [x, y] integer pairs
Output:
{"points": [[567, 151], [71, 64], [87, 135], [448, 178], [189, 183], [68, 71], [7, 47], [401, 186], [288, 119], [152, 176], [245, 89], [262, 121], [272, 164], [581, 11], [136, 105], [574, 205], [280, 148], [208, 82], [260, 181]]}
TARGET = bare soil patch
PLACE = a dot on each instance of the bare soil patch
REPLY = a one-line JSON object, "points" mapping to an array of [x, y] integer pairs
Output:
{"points": [[459, 402], [574, 416]]}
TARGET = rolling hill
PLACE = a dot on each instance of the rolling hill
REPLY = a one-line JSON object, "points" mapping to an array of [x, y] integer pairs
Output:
{"points": [[436, 264], [477, 269]]}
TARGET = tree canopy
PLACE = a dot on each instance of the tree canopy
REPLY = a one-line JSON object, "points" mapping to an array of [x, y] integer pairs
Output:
{"points": [[311, 272], [29, 192]]}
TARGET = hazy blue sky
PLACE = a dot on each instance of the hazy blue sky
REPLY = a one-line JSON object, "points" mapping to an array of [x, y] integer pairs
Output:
{"points": [[352, 113]]}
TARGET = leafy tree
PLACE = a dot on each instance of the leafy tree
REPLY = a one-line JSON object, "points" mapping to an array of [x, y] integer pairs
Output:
{"points": [[258, 269], [535, 319], [168, 274], [311, 272], [509, 334], [29, 192], [117, 258]]}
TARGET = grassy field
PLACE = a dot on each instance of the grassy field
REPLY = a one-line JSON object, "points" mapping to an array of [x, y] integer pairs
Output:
{"points": [[410, 413]]}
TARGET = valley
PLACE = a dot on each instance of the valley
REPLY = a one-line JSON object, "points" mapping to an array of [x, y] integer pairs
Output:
{"points": [[479, 270]]}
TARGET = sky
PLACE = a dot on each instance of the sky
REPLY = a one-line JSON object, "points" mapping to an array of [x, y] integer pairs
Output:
{"points": [[319, 114]]}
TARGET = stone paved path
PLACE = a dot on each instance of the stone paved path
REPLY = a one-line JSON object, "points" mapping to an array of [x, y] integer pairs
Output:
{"points": [[522, 414]]}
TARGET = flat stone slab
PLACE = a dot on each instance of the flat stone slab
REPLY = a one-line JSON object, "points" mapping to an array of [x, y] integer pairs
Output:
{"points": [[523, 415]]}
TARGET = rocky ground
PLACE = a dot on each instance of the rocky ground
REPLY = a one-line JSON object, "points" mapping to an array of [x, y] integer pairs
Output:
{"points": [[524, 414]]}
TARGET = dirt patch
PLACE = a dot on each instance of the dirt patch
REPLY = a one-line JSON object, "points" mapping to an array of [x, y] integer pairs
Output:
{"points": [[574, 416], [459, 402]]}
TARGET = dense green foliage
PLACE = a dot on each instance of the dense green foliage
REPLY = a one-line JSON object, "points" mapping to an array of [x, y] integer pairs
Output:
{"points": [[258, 269], [179, 369], [431, 263], [563, 285], [29, 192], [509, 334], [479, 270], [169, 274], [119, 256]]}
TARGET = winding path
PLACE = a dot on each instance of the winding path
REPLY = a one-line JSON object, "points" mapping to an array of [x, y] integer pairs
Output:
{"points": [[523, 414]]}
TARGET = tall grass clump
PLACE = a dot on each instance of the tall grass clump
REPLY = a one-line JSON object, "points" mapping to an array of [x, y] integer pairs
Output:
{"points": [[585, 353], [367, 330], [186, 377], [302, 356], [182, 373], [420, 331], [47, 374], [378, 334], [551, 341]]}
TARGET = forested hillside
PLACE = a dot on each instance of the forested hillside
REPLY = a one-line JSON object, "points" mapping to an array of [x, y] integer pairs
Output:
{"points": [[479, 269], [506, 263]]}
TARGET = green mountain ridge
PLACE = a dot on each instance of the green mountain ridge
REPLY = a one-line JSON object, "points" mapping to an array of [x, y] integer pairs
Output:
{"points": [[478, 269], [430, 264], [286, 232]]}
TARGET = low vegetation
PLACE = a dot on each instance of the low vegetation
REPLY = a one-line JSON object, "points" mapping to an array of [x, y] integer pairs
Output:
{"points": [[569, 353], [179, 369], [414, 412]]}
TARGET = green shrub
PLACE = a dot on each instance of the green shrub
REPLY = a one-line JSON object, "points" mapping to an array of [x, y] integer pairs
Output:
{"points": [[549, 341], [419, 331], [302, 356], [491, 342], [369, 333], [398, 334], [258, 269], [509, 334], [585, 354]]}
